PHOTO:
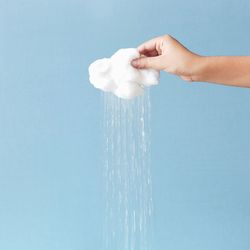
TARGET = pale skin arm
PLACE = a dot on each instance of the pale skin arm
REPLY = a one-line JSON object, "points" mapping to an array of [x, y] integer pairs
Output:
{"points": [[166, 53]]}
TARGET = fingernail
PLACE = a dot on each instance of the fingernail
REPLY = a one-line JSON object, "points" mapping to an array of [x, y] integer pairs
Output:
{"points": [[134, 63]]}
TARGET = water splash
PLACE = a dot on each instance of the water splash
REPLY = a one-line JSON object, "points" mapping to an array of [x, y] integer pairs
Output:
{"points": [[127, 173]]}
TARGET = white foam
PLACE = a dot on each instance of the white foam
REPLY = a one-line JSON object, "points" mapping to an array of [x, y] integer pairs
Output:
{"points": [[117, 75]]}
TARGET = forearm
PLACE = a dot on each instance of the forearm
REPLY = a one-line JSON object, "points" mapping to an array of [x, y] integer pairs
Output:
{"points": [[228, 70]]}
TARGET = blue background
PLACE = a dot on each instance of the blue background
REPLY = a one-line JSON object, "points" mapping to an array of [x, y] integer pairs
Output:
{"points": [[51, 134]]}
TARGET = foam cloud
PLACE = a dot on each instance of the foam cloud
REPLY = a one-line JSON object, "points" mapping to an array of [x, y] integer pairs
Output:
{"points": [[117, 75]]}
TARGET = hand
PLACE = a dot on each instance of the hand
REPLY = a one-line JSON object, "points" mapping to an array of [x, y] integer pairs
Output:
{"points": [[166, 53]]}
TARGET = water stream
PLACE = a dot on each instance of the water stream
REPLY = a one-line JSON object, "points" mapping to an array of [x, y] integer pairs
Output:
{"points": [[127, 173]]}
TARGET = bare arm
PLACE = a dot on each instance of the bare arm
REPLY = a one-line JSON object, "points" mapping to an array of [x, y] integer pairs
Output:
{"points": [[228, 70], [166, 53]]}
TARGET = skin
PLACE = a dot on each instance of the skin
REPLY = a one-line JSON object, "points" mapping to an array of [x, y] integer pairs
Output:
{"points": [[168, 54]]}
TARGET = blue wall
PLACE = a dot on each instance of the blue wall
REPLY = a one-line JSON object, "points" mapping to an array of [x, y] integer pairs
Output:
{"points": [[50, 124]]}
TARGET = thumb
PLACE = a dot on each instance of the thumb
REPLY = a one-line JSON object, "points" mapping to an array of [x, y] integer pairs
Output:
{"points": [[148, 62]]}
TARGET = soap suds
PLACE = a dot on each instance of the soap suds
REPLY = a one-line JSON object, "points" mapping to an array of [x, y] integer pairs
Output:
{"points": [[118, 76]]}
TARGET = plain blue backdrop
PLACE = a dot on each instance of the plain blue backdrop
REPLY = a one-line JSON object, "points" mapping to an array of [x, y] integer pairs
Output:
{"points": [[51, 124]]}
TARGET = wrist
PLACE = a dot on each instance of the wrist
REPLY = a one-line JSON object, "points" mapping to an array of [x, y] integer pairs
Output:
{"points": [[200, 68]]}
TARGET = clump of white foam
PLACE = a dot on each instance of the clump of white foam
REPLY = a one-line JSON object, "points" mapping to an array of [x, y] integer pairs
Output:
{"points": [[117, 75]]}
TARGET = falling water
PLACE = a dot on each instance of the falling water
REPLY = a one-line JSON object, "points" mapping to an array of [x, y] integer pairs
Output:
{"points": [[128, 181]]}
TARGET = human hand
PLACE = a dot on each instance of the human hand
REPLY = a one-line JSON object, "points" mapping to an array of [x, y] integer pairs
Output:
{"points": [[166, 53]]}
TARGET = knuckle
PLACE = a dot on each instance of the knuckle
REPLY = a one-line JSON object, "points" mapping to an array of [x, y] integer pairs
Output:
{"points": [[167, 37]]}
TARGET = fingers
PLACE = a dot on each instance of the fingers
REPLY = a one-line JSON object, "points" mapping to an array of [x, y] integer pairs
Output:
{"points": [[149, 47], [153, 50], [150, 53], [148, 62]]}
